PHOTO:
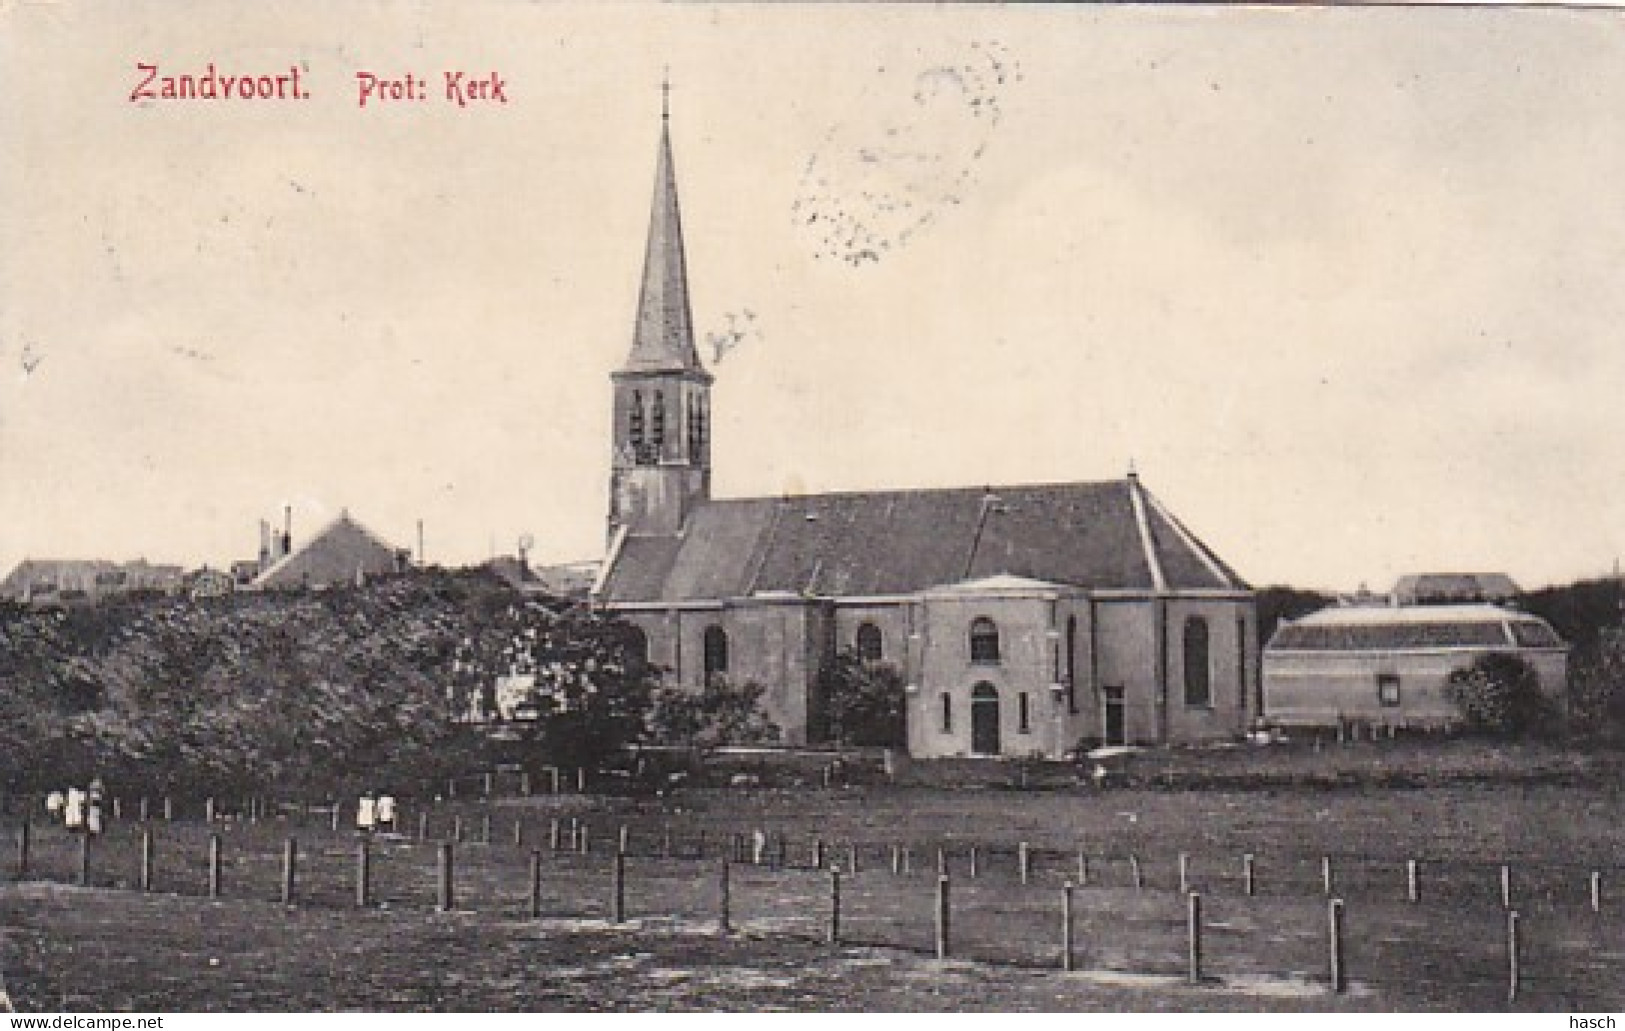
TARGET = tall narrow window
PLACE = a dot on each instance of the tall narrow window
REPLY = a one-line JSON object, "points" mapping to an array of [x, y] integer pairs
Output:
{"points": [[870, 645], [984, 640], [1198, 678], [1241, 661], [947, 713], [658, 422], [637, 648], [693, 428], [635, 422], [716, 653], [1072, 664], [1023, 714]]}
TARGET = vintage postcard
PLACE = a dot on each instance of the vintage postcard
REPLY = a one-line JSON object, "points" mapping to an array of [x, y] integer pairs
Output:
{"points": [[553, 506]]}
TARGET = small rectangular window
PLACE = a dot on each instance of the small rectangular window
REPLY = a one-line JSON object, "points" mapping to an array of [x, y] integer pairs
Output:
{"points": [[1388, 689], [1021, 701], [947, 713]]}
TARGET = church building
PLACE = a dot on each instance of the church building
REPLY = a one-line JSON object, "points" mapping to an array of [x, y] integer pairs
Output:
{"points": [[1023, 619]]}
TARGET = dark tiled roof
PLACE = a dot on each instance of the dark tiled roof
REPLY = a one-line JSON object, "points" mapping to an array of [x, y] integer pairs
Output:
{"points": [[900, 542]]}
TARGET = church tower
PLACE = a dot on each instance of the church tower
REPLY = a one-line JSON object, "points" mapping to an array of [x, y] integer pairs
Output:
{"points": [[661, 468]]}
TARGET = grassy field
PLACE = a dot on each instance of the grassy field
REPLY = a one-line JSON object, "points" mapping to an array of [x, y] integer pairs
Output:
{"points": [[1265, 950]]}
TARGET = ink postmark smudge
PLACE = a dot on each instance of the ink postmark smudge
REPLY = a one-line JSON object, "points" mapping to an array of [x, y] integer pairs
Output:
{"points": [[880, 180]]}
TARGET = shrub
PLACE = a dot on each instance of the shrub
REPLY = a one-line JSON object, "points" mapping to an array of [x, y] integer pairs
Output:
{"points": [[1500, 695]]}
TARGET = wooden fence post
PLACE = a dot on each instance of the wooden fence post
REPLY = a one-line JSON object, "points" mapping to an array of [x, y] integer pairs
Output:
{"points": [[942, 861], [518, 832], [1184, 873], [143, 809], [457, 828], [488, 786], [818, 854], [447, 899], [1066, 926], [553, 834], [169, 809], [1506, 886], [290, 865], [423, 825], [908, 860], [1193, 927], [338, 809], [214, 866], [535, 884], [208, 809], [1334, 920], [975, 865], [1596, 891], [625, 839], [1514, 974], [583, 838], [84, 859], [363, 873], [1413, 881], [146, 859], [723, 916], [1024, 861], [835, 905], [1249, 883], [897, 859], [553, 771], [581, 779], [1326, 875], [24, 833], [944, 916], [852, 857], [1083, 868], [618, 910]]}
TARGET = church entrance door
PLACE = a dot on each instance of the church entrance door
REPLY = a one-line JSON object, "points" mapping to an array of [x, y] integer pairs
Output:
{"points": [[1114, 722], [984, 719]]}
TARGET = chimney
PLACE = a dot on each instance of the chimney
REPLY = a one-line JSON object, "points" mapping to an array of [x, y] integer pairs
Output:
{"points": [[287, 530], [265, 544]]}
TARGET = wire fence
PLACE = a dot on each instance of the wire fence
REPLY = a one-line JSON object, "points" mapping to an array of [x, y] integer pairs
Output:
{"points": [[1475, 932]]}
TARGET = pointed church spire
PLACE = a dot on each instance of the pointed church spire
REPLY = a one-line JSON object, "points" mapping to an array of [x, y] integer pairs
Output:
{"points": [[663, 340]]}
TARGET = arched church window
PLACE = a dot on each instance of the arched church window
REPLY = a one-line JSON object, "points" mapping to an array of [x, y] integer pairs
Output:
{"points": [[984, 640], [658, 421], [1198, 680], [637, 647], [871, 646], [716, 652]]}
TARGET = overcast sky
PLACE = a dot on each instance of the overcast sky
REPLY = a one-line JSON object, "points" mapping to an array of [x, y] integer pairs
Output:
{"points": [[1346, 286]]}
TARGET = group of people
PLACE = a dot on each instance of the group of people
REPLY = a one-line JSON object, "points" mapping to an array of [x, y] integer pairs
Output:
{"points": [[80, 809], [375, 812]]}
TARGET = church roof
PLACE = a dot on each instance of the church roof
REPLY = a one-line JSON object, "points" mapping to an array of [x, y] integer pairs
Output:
{"points": [[1100, 536], [663, 339]]}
